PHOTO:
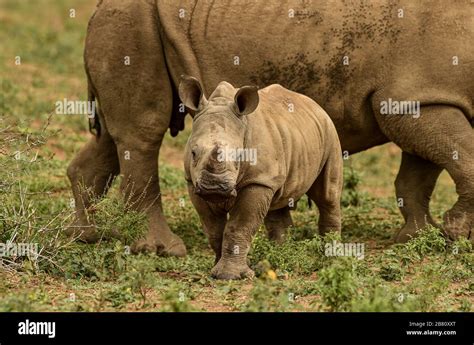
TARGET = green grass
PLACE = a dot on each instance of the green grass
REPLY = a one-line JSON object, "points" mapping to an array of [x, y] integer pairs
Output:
{"points": [[426, 274]]}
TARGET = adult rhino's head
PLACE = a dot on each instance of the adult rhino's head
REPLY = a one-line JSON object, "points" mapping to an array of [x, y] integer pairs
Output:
{"points": [[219, 132]]}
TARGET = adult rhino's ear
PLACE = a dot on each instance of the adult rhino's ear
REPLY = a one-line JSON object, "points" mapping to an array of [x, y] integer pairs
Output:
{"points": [[190, 92], [246, 100]]}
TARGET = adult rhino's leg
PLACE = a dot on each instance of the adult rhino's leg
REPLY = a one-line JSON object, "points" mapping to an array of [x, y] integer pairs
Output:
{"points": [[141, 191], [126, 64], [138, 121], [414, 185], [443, 136], [277, 222], [91, 173]]}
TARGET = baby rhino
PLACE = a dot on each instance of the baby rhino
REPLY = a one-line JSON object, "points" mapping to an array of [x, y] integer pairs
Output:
{"points": [[251, 155]]}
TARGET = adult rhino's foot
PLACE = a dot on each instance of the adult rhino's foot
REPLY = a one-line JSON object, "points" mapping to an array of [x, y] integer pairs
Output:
{"points": [[83, 233], [227, 270], [410, 229], [174, 246], [458, 223], [407, 232]]}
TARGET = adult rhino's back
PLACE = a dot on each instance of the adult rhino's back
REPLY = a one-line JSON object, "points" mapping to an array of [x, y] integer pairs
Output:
{"points": [[340, 54]]}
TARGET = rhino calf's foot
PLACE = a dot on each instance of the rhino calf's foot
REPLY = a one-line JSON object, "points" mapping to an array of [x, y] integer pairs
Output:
{"points": [[277, 223]]}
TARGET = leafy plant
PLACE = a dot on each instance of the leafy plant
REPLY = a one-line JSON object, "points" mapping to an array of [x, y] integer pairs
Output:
{"points": [[338, 284]]}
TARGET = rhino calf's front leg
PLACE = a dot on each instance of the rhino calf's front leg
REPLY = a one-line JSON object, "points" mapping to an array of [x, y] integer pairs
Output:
{"points": [[246, 215], [213, 220]]}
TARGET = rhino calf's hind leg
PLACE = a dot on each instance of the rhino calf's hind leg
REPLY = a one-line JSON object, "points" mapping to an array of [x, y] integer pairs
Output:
{"points": [[414, 185], [326, 193], [277, 222], [91, 173]]}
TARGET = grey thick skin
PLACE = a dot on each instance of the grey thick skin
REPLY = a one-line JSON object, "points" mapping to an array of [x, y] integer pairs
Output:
{"points": [[347, 56], [296, 151]]}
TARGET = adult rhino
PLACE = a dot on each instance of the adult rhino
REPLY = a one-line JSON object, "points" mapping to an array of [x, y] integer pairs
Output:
{"points": [[349, 56]]}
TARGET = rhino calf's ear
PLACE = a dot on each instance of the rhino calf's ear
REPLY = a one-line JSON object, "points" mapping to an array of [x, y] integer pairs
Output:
{"points": [[190, 92], [246, 100]]}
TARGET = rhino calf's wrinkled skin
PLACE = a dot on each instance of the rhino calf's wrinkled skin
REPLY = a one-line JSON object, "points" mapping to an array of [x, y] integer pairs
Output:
{"points": [[251, 154]]}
